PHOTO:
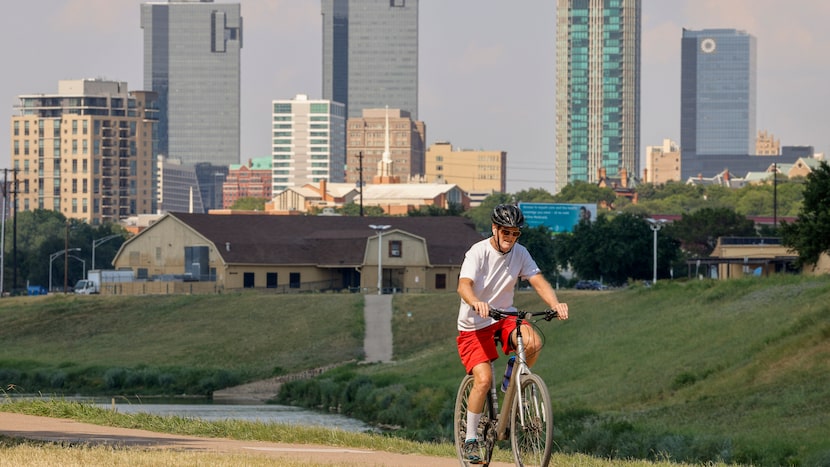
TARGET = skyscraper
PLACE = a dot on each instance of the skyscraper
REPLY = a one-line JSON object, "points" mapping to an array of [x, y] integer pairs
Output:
{"points": [[717, 94], [370, 54], [597, 89], [192, 60], [308, 142]]}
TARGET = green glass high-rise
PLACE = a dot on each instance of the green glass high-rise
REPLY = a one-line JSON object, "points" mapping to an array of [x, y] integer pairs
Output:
{"points": [[597, 89]]}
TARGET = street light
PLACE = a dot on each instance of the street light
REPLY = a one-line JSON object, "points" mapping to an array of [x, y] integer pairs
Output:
{"points": [[99, 241], [83, 261], [379, 229], [52, 258], [655, 226]]}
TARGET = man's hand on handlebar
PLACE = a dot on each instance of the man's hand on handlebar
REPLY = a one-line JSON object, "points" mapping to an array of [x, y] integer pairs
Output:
{"points": [[560, 311], [482, 309]]}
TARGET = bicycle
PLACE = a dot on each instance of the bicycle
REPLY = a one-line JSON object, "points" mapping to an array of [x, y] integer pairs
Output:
{"points": [[526, 415]]}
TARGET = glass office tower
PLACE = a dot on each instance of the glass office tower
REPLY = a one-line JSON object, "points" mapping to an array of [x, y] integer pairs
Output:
{"points": [[370, 54], [717, 100], [597, 89], [192, 60]]}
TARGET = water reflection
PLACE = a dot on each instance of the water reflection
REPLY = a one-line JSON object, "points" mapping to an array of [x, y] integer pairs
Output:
{"points": [[253, 413]]}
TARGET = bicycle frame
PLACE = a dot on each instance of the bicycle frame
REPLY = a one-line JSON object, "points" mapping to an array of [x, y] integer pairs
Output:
{"points": [[520, 369]]}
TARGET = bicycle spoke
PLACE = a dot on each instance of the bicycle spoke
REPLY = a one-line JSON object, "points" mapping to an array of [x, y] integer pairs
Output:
{"points": [[532, 425]]}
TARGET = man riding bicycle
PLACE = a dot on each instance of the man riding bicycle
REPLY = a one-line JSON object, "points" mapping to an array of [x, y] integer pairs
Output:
{"points": [[488, 278]]}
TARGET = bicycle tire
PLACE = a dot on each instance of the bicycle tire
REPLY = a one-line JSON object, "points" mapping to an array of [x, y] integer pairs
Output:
{"points": [[532, 442], [485, 432]]}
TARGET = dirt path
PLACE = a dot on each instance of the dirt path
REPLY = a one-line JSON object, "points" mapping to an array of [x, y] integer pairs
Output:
{"points": [[62, 430]]}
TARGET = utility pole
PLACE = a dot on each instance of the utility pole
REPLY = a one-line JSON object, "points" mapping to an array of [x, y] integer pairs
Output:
{"points": [[775, 195], [66, 259], [14, 227], [3, 232], [360, 179]]}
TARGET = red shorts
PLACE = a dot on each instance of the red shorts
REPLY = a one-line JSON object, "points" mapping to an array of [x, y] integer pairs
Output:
{"points": [[479, 346]]}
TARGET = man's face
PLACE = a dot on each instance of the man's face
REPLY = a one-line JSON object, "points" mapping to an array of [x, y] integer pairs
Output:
{"points": [[505, 237]]}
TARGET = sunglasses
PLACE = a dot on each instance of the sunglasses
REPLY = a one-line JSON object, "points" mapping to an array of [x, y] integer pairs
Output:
{"points": [[508, 233]]}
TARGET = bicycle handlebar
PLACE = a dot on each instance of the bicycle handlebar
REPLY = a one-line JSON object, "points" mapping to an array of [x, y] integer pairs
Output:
{"points": [[498, 314]]}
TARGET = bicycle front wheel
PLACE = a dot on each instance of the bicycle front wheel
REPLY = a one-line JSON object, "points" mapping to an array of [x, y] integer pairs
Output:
{"points": [[531, 423], [484, 430]]}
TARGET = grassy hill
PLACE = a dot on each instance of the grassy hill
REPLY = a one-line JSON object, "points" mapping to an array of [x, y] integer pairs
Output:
{"points": [[681, 370]]}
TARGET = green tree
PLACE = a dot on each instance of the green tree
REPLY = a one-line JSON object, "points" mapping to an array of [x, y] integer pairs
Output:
{"points": [[250, 204], [584, 192], [535, 195], [432, 210], [699, 231], [539, 241], [480, 214], [809, 235], [353, 209], [42, 234], [615, 248]]}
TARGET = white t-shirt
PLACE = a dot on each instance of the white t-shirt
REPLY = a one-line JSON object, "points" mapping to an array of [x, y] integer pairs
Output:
{"points": [[494, 277]]}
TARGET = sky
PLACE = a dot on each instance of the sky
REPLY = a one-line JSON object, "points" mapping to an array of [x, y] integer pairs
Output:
{"points": [[487, 67]]}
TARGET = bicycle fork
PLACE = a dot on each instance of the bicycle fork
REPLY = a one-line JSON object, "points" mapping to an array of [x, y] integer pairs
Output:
{"points": [[520, 368]]}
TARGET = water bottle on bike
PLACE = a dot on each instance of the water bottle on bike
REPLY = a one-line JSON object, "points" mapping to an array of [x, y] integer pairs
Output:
{"points": [[507, 373]]}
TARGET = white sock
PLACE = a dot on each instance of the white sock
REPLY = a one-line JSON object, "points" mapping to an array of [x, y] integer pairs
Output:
{"points": [[472, 421]]}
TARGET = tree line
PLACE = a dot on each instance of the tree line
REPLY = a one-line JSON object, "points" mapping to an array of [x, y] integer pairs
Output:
{"points": [[616, 247]]}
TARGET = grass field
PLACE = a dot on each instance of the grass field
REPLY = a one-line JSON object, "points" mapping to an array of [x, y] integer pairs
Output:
{"points": [[740, 366]]}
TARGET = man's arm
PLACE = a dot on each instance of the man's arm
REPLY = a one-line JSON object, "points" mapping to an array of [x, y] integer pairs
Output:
{"points": [[465, 290], [546, 293]]}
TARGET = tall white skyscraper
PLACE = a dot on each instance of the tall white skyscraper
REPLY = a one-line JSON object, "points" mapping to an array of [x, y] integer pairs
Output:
{"points": [[308, 142], [192, 60]]}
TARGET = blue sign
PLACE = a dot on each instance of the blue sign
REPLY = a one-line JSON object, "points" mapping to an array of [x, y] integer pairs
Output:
{"points": [[559, 217]]}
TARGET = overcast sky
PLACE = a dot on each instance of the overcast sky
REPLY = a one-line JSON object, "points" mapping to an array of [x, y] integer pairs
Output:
{"points": [[487, 67]]}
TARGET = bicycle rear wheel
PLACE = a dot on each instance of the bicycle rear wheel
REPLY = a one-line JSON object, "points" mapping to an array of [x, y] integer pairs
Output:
{"points": [[485, 432], [531, 428]]}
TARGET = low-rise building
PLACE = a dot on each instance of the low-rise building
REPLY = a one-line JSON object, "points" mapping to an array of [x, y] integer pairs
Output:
{"points": [[298, 253]]}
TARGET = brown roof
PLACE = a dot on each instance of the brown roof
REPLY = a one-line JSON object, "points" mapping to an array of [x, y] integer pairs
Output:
{"points": [[325, 241]]}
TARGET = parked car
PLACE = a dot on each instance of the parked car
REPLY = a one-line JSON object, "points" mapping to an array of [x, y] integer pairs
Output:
{"points": [[590, 285]]}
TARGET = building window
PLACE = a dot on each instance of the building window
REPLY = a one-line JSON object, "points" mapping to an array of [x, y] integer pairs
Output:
{"points": [[294, 280], [319, 108], [440, 281], [282, 108], [395, 249], [271, 280], [248, 280]]}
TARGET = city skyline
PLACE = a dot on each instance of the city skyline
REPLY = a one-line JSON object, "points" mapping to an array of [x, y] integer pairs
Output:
{"points": [[487, 68]]}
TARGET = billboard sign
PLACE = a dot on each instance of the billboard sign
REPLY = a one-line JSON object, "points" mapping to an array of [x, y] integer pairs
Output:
{"points": [[559, 217]]}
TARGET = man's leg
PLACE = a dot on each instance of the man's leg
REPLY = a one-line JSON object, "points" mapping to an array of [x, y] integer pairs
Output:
{"points": [[482, 375], [532, 342]]}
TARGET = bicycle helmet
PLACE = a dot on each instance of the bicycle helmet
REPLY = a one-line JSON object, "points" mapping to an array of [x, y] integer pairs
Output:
{"points": [[508, 215]]}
